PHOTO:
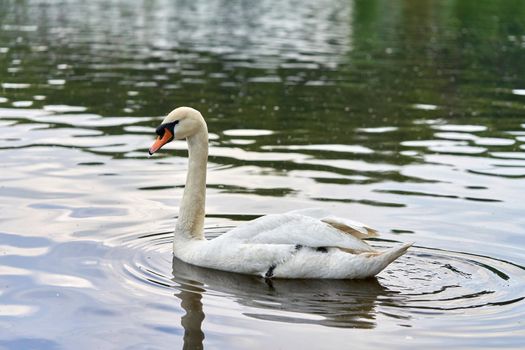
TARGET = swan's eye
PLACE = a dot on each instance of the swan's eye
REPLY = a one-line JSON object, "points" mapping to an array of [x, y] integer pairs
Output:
{"points": [[161, 129]]}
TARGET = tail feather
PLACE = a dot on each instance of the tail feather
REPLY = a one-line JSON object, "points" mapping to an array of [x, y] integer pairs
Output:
{"points": [[395, 252], [384, 258]]}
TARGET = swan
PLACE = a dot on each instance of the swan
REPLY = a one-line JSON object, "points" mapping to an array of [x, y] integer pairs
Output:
{"points": [[307, 243]]}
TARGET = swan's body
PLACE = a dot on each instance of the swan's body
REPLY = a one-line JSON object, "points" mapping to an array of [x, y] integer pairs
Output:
{"points": [[300, 244]]}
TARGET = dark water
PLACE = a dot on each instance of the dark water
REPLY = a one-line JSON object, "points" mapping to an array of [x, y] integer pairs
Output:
{"points": [[406, 115]]}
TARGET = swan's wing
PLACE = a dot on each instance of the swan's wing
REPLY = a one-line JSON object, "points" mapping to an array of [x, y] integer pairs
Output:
{"points": [[355, 228], [295, 229]]}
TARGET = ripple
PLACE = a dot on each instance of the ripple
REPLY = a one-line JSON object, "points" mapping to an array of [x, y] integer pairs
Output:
{"points": [[17, 310], [22, 104], [508, 172], [20, 28], [493, 141], [458, 149], [460, 128], [332, 148], [508, 155], [23, 251], [425, 281], [378, 130], [450, 281], [86, 120], [455, 136], [64, 108], [56, 81], [15, 85], [241, 142], [247, 132], [445, 146], [265, 79], [425, 107], [62, 280]]}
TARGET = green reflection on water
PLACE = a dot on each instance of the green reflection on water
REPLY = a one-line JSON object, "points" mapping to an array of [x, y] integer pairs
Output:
{"points": [[462, 56]]}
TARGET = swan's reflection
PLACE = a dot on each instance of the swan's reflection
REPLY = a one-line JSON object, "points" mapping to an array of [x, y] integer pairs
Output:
{"points": [[190, 296], [335, 303]]}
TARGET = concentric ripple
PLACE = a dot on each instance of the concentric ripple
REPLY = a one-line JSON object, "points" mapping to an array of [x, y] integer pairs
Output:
{"points": [[426, 282]]}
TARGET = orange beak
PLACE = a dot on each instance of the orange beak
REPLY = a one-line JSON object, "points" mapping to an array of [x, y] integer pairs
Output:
{"points": [[159, 142]]}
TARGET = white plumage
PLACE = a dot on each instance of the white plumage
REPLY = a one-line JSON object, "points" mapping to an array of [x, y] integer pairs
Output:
{"points": [[300, 244]]}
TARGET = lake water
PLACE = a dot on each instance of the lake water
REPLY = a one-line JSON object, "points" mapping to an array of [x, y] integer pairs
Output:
{"points": [[406, 115]]}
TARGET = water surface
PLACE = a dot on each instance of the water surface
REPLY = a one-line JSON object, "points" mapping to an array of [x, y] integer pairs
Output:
{"points": [[409, 116]]}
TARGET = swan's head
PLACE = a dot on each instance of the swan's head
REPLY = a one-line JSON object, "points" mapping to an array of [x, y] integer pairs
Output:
{"points": [[181, 123]]}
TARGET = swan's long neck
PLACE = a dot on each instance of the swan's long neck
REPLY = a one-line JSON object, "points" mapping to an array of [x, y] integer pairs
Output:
{"points": [[190, 223]]}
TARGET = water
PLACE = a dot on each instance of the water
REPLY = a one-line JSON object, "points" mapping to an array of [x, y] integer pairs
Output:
{"points": [[409, 116]]}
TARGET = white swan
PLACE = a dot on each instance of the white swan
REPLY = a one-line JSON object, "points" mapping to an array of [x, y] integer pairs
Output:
{"points": [[299, 244]]}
